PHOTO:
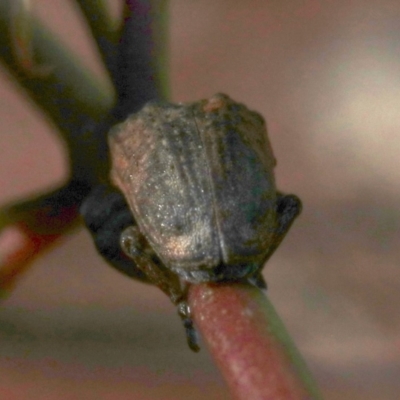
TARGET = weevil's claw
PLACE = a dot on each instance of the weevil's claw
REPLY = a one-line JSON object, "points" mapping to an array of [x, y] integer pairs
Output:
{"points": [[192, 336], [258, 281]]}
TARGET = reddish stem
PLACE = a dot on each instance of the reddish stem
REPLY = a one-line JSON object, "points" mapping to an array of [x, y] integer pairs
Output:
{"points": [[22, 242], [249, 343]]}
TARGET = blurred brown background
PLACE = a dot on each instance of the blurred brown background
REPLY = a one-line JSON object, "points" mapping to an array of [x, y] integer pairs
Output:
{"points": [[326, 75]]}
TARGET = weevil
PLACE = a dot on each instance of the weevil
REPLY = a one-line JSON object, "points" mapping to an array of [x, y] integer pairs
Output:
{"points": [[199, 182]]}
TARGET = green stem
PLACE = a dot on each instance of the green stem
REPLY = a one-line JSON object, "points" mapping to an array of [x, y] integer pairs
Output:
{"points": [[68, 94], [105, 32]]}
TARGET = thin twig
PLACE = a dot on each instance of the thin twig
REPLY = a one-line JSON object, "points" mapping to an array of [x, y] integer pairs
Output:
{"points": [[70, 89], [250, 344], [41, 225], [68, 95], [104, 31], [140, 61]]}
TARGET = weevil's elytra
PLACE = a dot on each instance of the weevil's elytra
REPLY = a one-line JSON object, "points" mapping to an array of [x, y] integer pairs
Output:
{"points": [[199, 181], [166, 183]]}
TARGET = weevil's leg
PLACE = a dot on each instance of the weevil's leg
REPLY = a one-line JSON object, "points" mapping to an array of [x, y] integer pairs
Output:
{"points": [[119, 241], [288, 207], [135, 245], [191, 332], [258, 280], [106, 214]]}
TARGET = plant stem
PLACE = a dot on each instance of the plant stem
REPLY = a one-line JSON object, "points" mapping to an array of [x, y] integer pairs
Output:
{"points": [[250, 344], [141, 60], [67, 93], [24, 240], [70, 98], [105, 32]]}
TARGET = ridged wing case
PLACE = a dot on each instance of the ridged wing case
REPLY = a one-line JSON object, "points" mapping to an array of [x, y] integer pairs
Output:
{"points": [[199, 180]]}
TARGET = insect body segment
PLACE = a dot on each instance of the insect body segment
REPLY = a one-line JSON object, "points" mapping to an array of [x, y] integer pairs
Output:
{"points": [[162, 169], [135, 246], [198, 179]]}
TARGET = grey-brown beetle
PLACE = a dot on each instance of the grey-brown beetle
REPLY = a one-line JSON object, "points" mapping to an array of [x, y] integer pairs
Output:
{"points": [[199, 181]]}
